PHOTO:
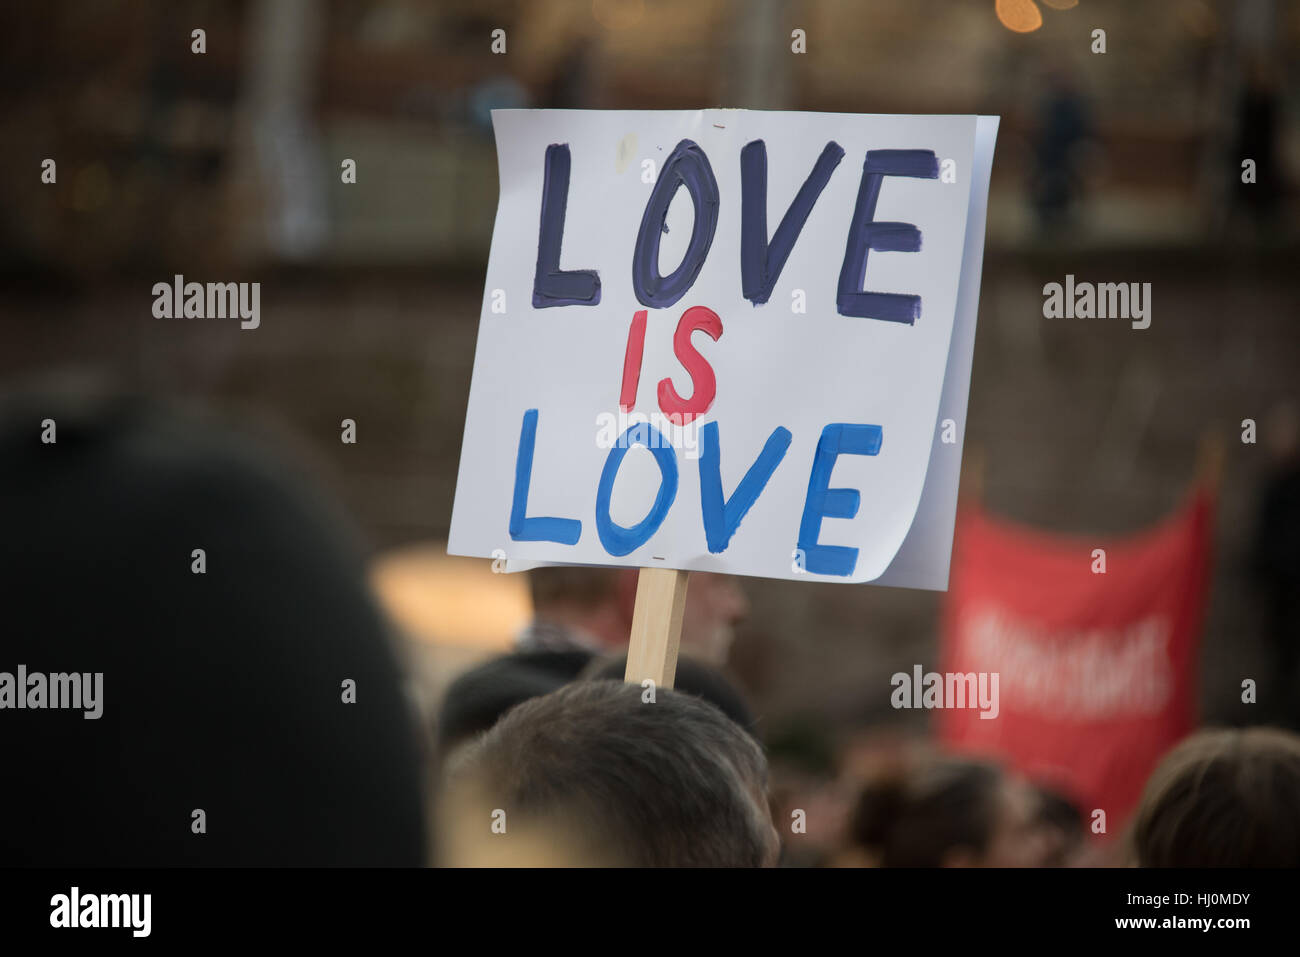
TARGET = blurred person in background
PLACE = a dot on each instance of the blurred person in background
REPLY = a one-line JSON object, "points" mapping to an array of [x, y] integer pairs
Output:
{"points": [[582, 616], [692, 677], [1276, 564], [476, 700], [1062, 826], [226, 734], [1059, 143], [589, 608], [1259, 130], [949, 812], [593, 775], [1223, 798]]}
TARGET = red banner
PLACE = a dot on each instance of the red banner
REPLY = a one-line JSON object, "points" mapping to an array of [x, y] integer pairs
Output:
{"points": [[1096, 669]]}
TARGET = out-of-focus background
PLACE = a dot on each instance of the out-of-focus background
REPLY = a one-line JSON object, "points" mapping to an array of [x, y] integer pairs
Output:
{"points": [[1115, 166]]}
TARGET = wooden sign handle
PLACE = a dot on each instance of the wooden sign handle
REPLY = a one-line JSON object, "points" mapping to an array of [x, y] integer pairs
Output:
{"points": [[656, 626]]}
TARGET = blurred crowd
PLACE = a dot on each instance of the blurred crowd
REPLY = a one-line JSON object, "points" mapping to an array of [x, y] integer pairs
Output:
{"points": [[269, 691]]}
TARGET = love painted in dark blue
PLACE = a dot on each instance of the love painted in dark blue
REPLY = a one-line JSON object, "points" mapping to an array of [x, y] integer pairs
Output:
{"points": [[761, 263]]}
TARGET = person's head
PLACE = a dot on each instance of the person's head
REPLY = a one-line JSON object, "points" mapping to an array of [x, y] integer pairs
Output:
{"points": [[477, 699], [250, 706], [589, 599], [599, 602], [715, 605], [1223, 798], [949, 812], [596, 773], [1062, 826], [692, 677]]}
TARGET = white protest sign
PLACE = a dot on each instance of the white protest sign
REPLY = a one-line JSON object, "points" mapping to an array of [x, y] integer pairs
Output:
{"points": [[726, 340]]}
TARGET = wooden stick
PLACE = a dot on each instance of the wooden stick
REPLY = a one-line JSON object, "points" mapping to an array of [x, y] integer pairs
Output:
{"points": [[656, 626]]}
